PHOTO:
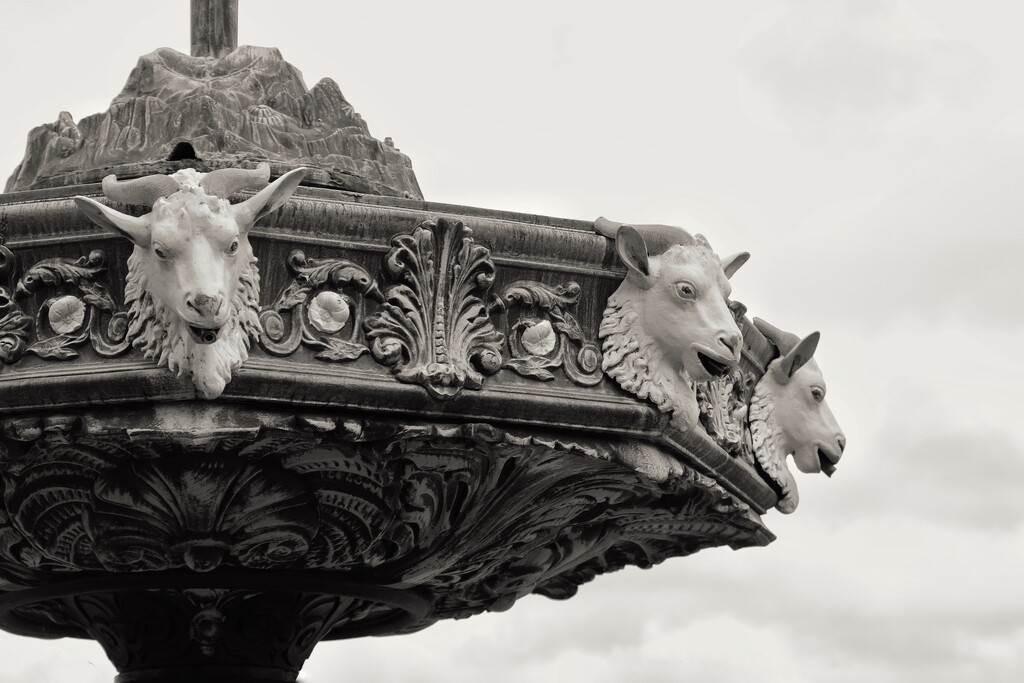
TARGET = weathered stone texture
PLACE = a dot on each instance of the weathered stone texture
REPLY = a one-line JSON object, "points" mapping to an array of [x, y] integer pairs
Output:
{"points": [[250, 105]]}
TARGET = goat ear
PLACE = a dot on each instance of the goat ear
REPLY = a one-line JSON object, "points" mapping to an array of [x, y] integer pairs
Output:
{"points": [[797, 357], [135, 228], [730, 264], [633, 251], [269, 199]]}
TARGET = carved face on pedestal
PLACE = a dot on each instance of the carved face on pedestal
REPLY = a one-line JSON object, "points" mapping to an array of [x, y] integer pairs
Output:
{"points": [[810, 431], [789, 414], [669, 323], [192, 279]]}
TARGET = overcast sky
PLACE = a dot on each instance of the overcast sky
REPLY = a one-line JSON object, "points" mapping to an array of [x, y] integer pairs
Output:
{"points": [[869, 154]]}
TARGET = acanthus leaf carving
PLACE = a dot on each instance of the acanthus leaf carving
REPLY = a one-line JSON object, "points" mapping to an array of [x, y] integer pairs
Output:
{"points": [[724, 407], [434, 327], [475, 515], [198, 512], [15, 328]]}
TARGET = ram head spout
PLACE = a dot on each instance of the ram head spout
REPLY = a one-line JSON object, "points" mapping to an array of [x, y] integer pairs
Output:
{"points": [[669, 325], [789, 415], [193, 284]]}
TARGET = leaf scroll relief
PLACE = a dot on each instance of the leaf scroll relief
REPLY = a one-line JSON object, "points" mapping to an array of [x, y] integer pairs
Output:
{"points": [[322, 308], [547, 336], [724, 405], [77, 308], [434, 328]]}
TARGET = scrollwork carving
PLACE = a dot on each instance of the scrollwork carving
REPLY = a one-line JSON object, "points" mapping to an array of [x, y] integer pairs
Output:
{"points": [[318, 309], [433, 328], [472, 515], [79, 317], [78, 308], [724, 406], [555, 340], [197, 512]]}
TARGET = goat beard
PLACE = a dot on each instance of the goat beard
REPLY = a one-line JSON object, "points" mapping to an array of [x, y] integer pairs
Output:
{"points": [[163, 336], [766, 439], [634, 360]]}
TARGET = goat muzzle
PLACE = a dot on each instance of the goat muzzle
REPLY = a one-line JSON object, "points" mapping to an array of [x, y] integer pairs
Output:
{"points": [[203, 335]]}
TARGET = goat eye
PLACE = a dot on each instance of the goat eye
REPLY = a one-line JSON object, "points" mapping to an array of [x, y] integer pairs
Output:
{"points": [[685, 290], [160, 252], [233, 248], [817, 394]]}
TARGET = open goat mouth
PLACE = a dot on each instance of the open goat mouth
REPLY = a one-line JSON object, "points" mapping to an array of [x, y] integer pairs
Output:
{"points": [[828, 466], [715, 368], [203, 335]]}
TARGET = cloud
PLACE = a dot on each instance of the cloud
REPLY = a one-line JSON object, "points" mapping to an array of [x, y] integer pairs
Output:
{"points": [[942, 245], [53, 661], [960, 478], [850, 67], [876, 600]]}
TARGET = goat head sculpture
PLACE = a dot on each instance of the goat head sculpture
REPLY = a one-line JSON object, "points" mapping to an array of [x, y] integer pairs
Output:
{"points": [[193, 284], [788, 414], [668, 324]]}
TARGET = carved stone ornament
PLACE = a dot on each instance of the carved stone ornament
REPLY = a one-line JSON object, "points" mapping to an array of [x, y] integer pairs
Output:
{"points": [[668, 324], [473, 516], [323, 301], [725, 404], [193, 284], [434, 328], [788, 414], [72, 307], [554, 340]]}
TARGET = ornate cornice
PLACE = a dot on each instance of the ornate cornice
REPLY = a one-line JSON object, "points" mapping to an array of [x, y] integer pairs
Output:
{"points": [[424, 422]]}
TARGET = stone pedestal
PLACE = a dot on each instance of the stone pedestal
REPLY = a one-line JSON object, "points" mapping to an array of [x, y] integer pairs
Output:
{"points": [[353, 478]]}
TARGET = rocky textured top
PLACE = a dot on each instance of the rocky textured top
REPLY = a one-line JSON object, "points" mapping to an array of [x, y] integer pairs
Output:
{"points": [[247, 106]]}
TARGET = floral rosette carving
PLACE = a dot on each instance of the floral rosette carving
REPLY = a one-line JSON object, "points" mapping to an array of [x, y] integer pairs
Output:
{"points": [[76, 308], [548, 336], [322, 308], [434, 328]]}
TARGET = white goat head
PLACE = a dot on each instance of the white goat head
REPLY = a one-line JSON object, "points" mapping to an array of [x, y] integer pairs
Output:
{"points": [[788, 414], [668, 325], [193, 285]]}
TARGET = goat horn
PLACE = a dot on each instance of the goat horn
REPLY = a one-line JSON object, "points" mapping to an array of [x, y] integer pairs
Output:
{"points": [[784, 341], [225, 182], [657, 237], [143, 191]]}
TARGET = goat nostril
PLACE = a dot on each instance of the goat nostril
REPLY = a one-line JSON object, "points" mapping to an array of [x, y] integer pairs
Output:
{"points": [[730, 342], [841, 441]]}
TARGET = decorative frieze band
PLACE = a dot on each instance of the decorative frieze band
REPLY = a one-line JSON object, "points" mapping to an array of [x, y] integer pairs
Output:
{"points": [[670, 334]]}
